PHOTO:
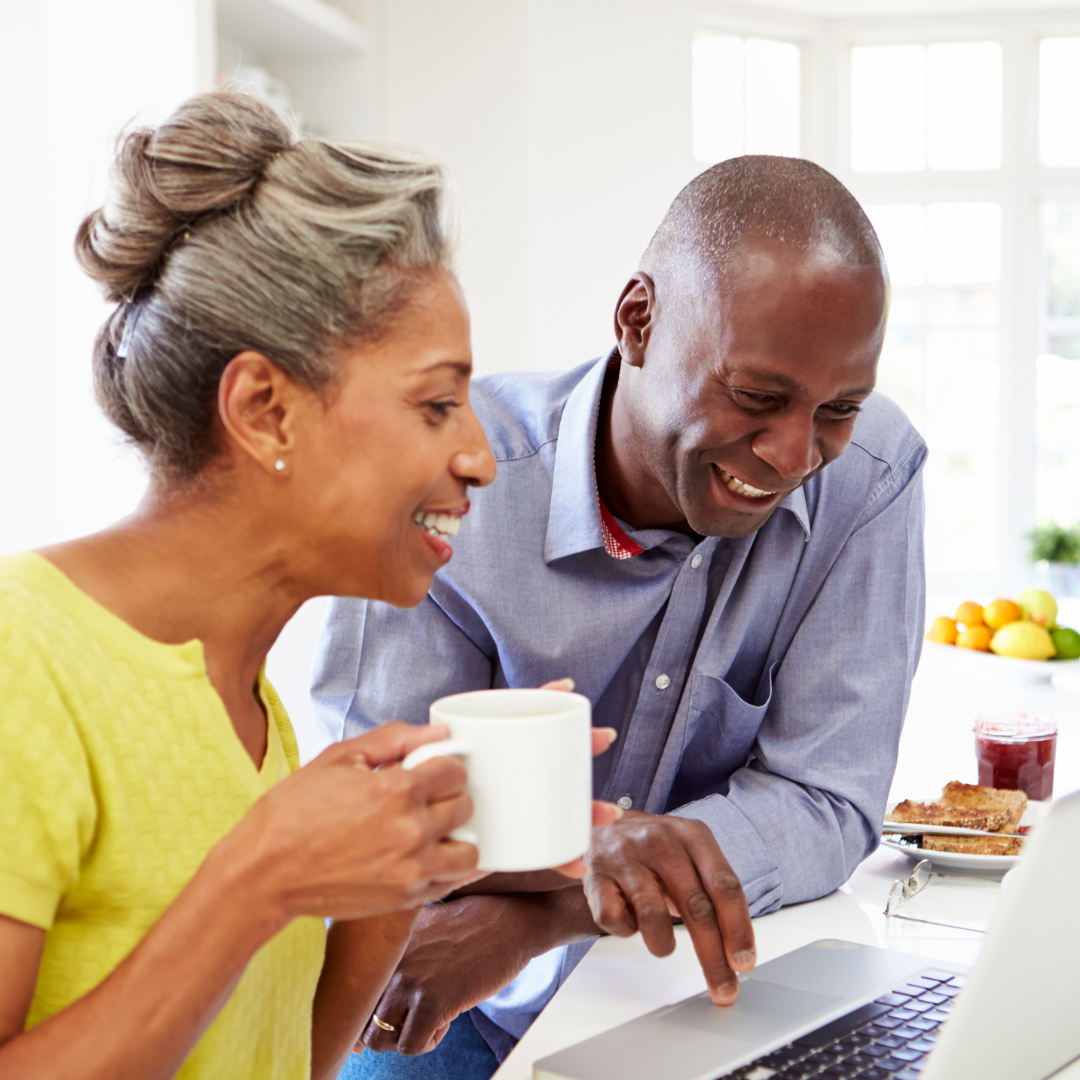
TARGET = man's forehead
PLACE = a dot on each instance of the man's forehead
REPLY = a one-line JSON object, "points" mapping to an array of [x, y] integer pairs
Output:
{"points": [[765, 376]]}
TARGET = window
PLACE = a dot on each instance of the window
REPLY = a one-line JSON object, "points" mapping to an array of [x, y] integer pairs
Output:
{"points": [[974, 206], [1057, 377], [745, 97], [915, 107]]}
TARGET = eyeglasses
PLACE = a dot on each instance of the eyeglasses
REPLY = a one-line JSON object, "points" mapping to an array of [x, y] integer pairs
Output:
{"points": [[904, 890]]}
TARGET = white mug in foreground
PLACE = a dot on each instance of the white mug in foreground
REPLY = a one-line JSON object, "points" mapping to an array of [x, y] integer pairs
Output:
{"points": [[529, 758]]}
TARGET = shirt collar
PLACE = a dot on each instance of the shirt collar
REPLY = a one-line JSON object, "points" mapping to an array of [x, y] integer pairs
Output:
{"points": [[574, 513]]}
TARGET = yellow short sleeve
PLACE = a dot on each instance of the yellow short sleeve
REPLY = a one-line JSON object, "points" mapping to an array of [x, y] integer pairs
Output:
{"points": [[47, 807]]}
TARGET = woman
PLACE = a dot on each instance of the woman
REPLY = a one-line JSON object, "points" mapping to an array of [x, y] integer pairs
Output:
{"points": [[291, 353]]}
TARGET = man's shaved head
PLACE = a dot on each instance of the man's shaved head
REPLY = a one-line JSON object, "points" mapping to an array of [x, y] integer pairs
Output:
{"points": [[784, 199]]}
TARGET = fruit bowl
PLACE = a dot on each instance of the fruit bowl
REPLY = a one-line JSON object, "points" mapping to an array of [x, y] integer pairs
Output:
{"points": [[990, 665]]}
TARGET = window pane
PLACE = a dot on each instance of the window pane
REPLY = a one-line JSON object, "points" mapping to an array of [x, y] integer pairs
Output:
{"points": [[888, 108], [1057, 369], [963, 243], [940, 364], [1059, 94], [718, 105], [964, 105], [901, 228], [772, 98]]}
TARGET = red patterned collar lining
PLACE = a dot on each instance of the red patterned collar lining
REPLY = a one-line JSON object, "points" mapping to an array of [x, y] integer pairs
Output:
{"points": [[617, 544]]}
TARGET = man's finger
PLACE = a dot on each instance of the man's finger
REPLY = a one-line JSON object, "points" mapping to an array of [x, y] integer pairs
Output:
{"points": [[391, 742], [644, 896], [420, 1027], [602, 738], [608, 906], [732, 911], [389, 1011], [698, 912]]}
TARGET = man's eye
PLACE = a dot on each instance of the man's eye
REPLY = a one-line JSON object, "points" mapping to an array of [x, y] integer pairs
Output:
{"points": [[840, 410], [755, 401]]}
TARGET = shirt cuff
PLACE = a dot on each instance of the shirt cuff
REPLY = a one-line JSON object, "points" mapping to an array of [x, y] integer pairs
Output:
{"points": [[27, 902], [743, 848]]}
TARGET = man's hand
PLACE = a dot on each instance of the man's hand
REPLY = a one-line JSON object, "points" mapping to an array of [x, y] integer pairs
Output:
{"points": [[464, 951], [644, 868]]}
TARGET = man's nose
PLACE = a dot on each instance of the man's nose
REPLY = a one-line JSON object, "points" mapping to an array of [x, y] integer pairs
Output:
{"points": [[474, 462], [789, 445]]}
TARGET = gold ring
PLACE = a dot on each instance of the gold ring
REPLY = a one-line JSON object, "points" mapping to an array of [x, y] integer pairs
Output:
{"points": [[382, 1023]]}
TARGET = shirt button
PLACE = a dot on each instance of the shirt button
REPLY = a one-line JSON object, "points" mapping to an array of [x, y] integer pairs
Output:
{"points": [[625, 803], [695, 562], [662, 682]]}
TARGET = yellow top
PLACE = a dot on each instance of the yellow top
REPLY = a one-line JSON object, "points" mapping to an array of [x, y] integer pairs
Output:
{"points": [[119, 770]]}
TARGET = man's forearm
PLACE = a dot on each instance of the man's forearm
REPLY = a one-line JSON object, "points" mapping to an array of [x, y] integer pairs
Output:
{"points": [[533, 881]]}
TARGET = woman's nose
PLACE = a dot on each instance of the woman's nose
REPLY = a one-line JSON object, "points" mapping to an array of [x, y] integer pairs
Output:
{"points": [[474, 462]]}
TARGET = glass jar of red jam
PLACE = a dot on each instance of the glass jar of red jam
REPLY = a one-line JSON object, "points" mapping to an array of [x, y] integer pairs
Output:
{"points": [[1017, 753]]}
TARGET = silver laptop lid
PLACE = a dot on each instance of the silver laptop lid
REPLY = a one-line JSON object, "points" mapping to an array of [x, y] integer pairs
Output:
{"points": [[1017, 1018]]}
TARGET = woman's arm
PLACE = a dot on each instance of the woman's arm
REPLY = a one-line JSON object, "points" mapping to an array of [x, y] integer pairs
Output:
{"points": [[142, 1021], [337, 839], [361, 955]]}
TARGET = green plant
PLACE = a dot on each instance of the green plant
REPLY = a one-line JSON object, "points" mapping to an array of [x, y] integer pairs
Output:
{"points": [[1055, 544]]}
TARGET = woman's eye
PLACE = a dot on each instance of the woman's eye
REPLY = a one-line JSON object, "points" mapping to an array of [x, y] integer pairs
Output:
{"points": [[443, 406]]}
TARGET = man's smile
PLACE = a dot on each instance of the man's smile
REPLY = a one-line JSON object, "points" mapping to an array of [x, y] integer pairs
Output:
{"points": [[740, 487]]}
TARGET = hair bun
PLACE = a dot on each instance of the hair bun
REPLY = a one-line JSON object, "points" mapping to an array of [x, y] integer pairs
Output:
{"points": [[207, 157]]}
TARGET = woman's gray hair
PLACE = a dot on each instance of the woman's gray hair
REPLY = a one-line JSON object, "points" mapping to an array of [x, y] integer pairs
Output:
{"points": [[226, 232]]}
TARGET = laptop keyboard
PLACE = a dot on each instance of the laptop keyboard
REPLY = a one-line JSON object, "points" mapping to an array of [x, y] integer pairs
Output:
{"points": [[885, 1040]]}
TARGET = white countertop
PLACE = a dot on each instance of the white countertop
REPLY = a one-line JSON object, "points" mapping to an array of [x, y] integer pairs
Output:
{"points": [[619, 980]]}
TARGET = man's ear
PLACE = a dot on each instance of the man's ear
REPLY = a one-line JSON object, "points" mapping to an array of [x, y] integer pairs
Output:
{"points": [[256, 405], [635, 314]]}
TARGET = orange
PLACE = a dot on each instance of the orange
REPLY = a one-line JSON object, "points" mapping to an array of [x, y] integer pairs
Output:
{"points": [[969, 613], [976, 637], [1001, 612], [942, 629]]}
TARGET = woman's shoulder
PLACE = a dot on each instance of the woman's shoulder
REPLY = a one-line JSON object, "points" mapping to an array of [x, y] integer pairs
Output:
{"points": [[31, 594]]}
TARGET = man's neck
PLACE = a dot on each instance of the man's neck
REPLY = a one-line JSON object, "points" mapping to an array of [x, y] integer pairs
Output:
{"points": [[626, 487]]}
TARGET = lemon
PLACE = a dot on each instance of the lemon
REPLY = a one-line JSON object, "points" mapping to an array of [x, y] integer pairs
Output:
{"points": [[942, 629], [1023, 641], [969, 613], [1067, 643], [975, 637], [1038, 607], [1000, 613]]}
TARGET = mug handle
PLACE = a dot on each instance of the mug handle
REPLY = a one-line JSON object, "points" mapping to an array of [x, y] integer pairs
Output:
{"points": [[445, 748]]}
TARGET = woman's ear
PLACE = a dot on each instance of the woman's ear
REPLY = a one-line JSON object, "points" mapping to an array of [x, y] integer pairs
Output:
{"points": [[257, 406]]}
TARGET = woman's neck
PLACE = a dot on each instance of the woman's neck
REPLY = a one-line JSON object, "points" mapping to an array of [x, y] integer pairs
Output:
{"points": [[195, 565]]}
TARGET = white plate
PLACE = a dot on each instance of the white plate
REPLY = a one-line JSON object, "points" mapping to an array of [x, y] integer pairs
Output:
{"points": [[991, 665], [954, 860]]}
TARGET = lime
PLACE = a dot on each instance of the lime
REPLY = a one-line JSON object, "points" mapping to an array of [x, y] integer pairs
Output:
{"points": [[1067, 643]]}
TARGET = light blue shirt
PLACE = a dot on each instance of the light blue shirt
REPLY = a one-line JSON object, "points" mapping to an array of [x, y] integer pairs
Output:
{"points": [[757, 684]]}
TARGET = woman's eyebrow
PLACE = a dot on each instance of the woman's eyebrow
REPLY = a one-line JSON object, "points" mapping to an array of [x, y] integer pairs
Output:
{"points": [[463, 367]]}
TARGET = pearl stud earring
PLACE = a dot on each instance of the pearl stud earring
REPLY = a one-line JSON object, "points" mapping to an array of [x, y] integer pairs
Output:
{"points": [[279, 465]]}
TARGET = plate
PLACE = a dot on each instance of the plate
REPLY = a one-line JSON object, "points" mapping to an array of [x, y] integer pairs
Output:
{"points": [[954, 860], [990, 665]]}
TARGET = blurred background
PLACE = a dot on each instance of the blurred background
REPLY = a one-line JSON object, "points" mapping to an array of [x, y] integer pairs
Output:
{"points": [[570, 126]]}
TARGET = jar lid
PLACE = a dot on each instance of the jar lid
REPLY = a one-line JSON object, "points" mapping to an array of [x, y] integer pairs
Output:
{"points": [[1019, 727]]}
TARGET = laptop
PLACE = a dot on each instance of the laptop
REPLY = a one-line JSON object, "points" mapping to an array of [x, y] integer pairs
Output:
{"points": [[834, 1009]]}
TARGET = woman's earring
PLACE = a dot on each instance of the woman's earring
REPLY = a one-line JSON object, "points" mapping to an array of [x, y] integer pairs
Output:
{"points": [[279, 465]]}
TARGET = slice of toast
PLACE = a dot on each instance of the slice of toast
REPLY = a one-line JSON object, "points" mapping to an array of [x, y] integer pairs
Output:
{"points": [[967, 806], [1010, 803], [973, 845]]}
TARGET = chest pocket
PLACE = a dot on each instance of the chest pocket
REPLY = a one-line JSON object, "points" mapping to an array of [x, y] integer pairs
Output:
{"points": [[721, 729]]}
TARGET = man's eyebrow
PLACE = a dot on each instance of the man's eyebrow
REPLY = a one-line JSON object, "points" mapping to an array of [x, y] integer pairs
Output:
{"points": [[784, 383]]}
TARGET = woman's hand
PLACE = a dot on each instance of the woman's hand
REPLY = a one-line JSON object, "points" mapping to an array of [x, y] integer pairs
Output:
{"points": [[352, 834]]}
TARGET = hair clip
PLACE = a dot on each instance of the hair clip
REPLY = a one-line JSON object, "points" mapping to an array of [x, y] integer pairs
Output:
{"points": [[130, 324]]}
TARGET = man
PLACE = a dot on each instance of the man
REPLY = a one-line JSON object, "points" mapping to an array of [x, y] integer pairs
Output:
{"points": [[716, 531]]}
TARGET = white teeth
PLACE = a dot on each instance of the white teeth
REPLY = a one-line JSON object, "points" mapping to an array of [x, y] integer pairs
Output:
{"points": [[443, 526], [740, 488]]}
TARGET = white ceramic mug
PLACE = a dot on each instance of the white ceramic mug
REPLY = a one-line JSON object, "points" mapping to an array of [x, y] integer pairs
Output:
{"points": [[529, 758]]}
